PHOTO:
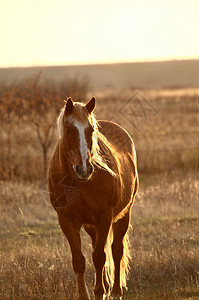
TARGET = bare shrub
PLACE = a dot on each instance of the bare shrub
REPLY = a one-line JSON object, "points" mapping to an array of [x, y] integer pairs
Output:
{"points": [[28, 112]]}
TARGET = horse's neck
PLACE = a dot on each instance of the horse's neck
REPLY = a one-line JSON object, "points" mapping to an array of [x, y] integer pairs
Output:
{"points": [[104, 150]]}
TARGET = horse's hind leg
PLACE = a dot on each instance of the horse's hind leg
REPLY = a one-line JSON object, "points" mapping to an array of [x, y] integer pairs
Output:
{"points": [[92, 232], [119, 231], [78, 259]]}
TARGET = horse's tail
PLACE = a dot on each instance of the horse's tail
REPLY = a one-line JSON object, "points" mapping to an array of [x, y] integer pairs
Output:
{"points": [[109, 266], [125, 262]]}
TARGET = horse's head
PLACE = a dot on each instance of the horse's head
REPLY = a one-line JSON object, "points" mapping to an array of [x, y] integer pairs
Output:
{"points": [[77, 135]]}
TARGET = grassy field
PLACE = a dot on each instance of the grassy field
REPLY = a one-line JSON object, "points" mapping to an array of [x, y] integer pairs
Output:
{"points": [[35, 261]]}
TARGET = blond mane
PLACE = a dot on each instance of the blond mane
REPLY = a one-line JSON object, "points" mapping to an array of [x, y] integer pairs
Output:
{"points": [[80, 113]]}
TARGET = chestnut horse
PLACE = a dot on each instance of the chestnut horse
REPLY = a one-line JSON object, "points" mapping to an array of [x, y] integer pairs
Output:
{"points": [[92, 182]]}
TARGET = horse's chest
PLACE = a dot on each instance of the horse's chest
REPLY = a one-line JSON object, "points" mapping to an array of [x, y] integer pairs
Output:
{"points": [[94, 204], [92, 212]]}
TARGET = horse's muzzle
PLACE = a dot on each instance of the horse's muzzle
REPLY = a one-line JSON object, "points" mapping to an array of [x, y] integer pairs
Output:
{"points": [[83, 173]]}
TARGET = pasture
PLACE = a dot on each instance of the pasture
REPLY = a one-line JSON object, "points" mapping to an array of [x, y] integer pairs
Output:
{"points": [[35, 260]]}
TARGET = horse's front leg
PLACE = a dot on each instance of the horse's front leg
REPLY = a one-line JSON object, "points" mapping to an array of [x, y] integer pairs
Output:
{"points": [[99, 256], [78, 260]]}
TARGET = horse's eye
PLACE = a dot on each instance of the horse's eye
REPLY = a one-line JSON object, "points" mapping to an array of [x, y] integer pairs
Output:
{"points": [[68, 131]]}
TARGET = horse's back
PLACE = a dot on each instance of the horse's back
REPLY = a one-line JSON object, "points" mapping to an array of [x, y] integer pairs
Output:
{"points": [[119, 138]]}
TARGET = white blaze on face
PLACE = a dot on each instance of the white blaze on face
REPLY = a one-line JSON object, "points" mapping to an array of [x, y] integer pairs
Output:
{"points": [[83, 144]]}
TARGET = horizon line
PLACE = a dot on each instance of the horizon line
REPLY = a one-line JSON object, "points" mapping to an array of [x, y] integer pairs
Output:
{"points": [[105, 62]]}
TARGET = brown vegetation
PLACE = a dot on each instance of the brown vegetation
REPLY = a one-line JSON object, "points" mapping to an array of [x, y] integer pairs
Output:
{"points": [[35, 260], [28, 112]]}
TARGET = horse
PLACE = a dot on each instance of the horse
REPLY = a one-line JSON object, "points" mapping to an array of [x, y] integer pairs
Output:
{"points": [[92, 182]]}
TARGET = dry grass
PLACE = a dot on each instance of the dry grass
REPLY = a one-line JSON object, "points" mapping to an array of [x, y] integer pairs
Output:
{"points": [[35, 258], [166, 238]]}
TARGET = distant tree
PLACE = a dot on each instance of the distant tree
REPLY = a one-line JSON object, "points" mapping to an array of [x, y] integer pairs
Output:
{"points": [[8, 123], [39, 106], [35, 102], [77, 88]]}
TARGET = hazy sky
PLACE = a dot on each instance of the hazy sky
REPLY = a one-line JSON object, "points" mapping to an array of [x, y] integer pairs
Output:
{"points": [[55, 32]]}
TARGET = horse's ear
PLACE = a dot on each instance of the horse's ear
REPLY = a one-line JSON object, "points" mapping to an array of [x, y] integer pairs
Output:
{"points": [[69, 106], [90, 106]]}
